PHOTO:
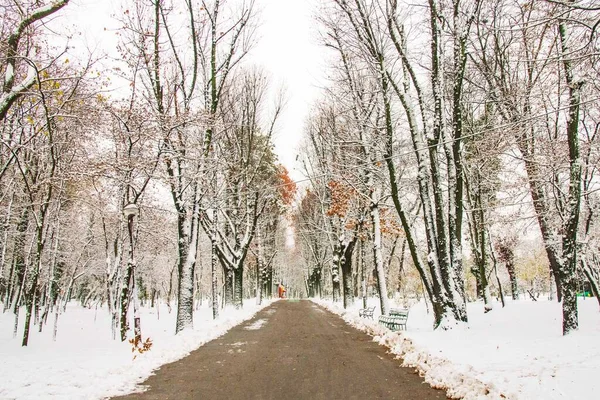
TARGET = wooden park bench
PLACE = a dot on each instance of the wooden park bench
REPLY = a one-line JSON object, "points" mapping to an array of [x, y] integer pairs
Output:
{"points": [[366, 312], [395, 320]]}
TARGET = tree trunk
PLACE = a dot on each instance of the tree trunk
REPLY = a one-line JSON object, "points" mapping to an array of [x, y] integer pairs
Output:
{"points": [[363, 274], [238, 294], [259, 284], [377, 254], [567, 273], [19, 260], [124, 301], [483, 267], [187, 247], [335, 273], [228, 296], [137, 327], [495, 261], [346, 266], [4, 285], [31, 294], [590, 277], [569, 303], [214, 259], [9, 286], [269, 282], [260, 266], [185, 289], [55, 328], [52, 280], [512, 274], [170, 290]]}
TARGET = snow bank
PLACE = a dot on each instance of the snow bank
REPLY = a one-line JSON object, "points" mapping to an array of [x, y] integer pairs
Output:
{"points": [[86, 363], [516, 352]]}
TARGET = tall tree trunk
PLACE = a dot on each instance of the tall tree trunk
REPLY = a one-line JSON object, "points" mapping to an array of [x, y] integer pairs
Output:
{"points": [[441, 304], [187, 246], [258, 292], [137, 327], [185, 264], [52, 277], [512, 274], [124, 302], [377, 253], [269, 282], [228, 295], [30, 295], [346, 266], [567, 273], [238, 295], [260, 266], [335, 272], [129, 285], [9, 286], [214, 259], [483, 271], [363, 274], [590, 277], [563, 259], [14, 294], [4, 285], [480, 242], [495, 262]]}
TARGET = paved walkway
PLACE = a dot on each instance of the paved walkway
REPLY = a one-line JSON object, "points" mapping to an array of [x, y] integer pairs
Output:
{"points": [[290, 350]]}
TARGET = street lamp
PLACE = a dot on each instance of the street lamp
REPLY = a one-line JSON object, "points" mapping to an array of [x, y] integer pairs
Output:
{"points": [[131, 210]]}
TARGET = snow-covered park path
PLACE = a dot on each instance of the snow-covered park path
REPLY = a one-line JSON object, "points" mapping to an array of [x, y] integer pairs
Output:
{"points": [[294, 350]]}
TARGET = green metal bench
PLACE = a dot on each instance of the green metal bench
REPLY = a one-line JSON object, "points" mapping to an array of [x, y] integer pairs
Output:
{"points": [[366, 312], [395, 320]]}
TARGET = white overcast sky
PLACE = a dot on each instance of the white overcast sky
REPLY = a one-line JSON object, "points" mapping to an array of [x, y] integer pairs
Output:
{"points": [[287, 47]]}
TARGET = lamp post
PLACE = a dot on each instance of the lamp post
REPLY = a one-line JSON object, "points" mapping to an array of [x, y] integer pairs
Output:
{"points": [[130, 211]]}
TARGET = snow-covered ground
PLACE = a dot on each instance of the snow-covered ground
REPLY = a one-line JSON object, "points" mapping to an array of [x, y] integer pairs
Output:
{"points": [[517, 352], [513, 353], [86, 363]]}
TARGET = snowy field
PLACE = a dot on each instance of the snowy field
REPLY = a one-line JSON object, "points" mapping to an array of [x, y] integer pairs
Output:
{"points": [[85, 363], [513, 353]]}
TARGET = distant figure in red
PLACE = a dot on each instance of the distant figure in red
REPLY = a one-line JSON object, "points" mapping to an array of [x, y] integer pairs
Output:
{"points": [[281, 291]]}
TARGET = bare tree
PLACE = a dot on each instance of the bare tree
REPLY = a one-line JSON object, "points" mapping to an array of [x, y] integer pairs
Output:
{"points": [[20, 65], [375, 33], [249, 163], [185, 102], [529, 73]]}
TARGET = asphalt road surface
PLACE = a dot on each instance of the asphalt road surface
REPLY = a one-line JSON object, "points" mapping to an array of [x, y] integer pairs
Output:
{"points": [[289, 350]]}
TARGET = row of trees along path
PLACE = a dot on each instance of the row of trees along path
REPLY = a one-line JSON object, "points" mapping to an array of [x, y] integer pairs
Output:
{"points": [[448, 121], [423, 139], [112, 197]]}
